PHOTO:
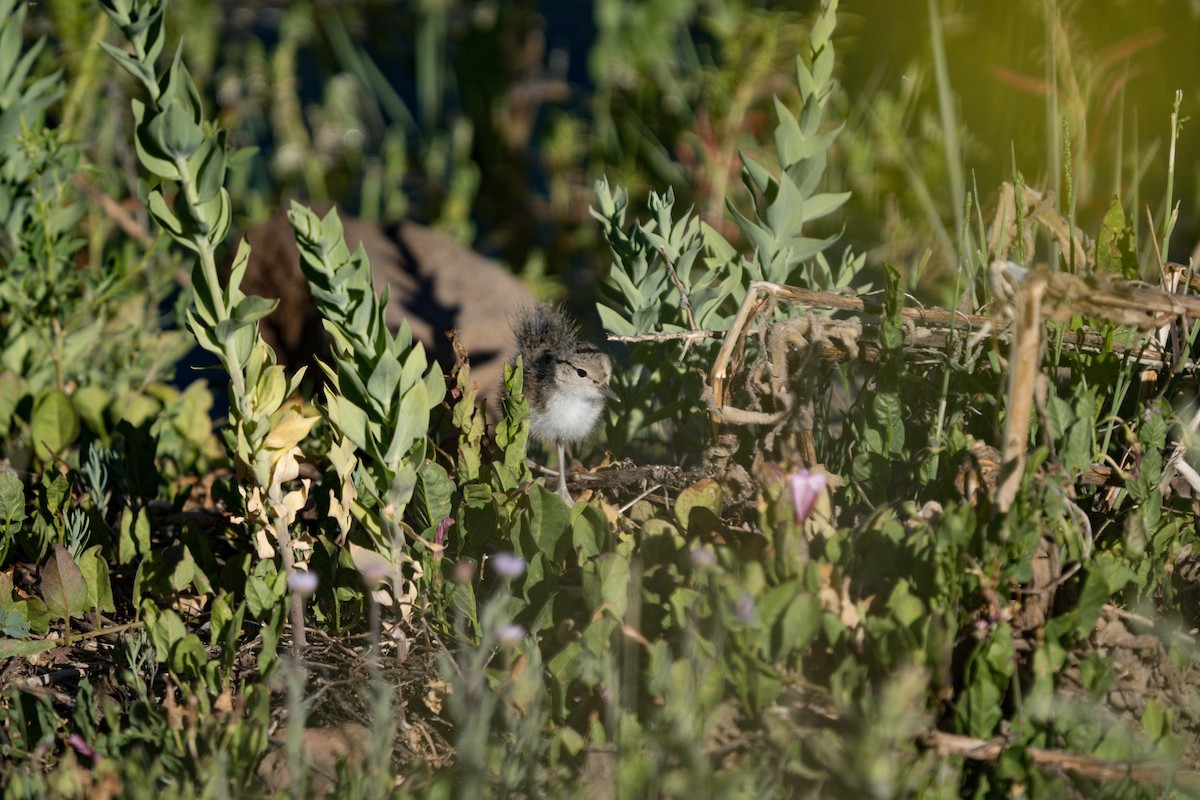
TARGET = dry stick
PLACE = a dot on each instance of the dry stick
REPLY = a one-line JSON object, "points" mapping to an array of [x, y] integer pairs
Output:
{"points": [[114, 211], [667, 336], [1024, 363], [625, 508], [750, 306], [760, 292], [683, 302], [1124, 303], [683, 298], [1146, 772]]}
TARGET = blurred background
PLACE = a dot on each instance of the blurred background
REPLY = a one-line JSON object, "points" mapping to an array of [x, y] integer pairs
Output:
{"points": [[492, 120]]}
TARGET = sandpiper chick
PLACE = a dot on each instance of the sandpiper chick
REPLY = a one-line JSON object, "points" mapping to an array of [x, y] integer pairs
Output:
{"points": [[566, 380]]}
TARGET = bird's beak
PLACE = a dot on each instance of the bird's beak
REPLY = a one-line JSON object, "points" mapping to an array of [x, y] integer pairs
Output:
{"points": [[607, 391]]}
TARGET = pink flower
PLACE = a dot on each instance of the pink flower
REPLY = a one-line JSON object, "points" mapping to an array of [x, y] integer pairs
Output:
{"points": [[464, 571], [439, 537], [806, 487], [83, 748]]}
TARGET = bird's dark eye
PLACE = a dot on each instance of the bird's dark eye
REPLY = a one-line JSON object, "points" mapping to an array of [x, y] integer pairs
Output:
{"points": [[581, 372]]}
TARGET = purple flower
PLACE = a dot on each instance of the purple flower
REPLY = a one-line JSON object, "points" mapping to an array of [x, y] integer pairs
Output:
{"points": [[508, 565], [745, 608], [806, 487], [702, 559], [374, 572], [302, 581], [83, 748]]}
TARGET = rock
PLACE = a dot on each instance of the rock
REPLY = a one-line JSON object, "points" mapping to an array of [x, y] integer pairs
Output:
{"points": [[324, 748], [433, 282]]}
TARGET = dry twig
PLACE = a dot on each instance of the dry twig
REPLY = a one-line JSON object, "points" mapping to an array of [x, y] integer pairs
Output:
{"points": [[1154, 773]]}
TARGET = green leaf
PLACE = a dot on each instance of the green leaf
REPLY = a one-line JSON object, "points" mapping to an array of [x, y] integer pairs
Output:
{"points": [[906, 607], [432, 497], [384, 380], [91, 401], [207, 167], [12, 503], [590, 533], [755, 175], [13, 623], [187, 656], [613, 321], [350, 420], [786, 214], [127, 62], [891, 334], [12, 648], [184, 569], [134, 537], [55, 423], [1115, 248], [800, 622], [150, 157], [698, 507], [549, 523], [13, 389], [95, 575], [173, 133], [1095, 594], [165, 628], [260, 597], [608, 584], [252, 308], [56, 493], [771, 608], [63, 587]]}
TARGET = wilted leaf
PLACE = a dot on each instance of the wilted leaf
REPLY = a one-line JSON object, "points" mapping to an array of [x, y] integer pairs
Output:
{"points": [[63, 586]]}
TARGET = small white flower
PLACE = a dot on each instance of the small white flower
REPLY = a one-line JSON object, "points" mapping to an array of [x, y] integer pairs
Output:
{"points": [[508, 565], [510, 635], [302, 582]]}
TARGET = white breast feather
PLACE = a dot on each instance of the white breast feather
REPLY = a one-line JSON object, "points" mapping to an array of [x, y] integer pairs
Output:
{"points": [[568, 416]]}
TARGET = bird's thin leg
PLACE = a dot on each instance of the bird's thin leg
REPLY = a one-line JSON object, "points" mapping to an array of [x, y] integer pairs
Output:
{"points": [[562, 475]]}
